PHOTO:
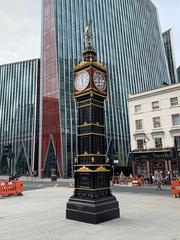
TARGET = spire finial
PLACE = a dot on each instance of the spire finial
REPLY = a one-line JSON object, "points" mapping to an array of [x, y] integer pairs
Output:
{"points": [[88, 35]]}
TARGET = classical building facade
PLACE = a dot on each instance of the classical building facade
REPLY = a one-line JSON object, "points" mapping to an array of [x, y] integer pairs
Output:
{"points": [[170, 55], [155, 130], [19, 113], [130, 45]]}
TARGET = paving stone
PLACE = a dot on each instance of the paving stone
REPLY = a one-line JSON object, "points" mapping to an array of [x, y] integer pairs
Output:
{"points": [[40, 215]]}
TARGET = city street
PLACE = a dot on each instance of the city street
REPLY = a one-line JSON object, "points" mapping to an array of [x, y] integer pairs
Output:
{"points": [[40, 214], [116, 189], [45, 183]]}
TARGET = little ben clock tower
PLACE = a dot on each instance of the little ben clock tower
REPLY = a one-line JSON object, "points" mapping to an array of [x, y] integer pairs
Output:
{"points": [[92, 200]]}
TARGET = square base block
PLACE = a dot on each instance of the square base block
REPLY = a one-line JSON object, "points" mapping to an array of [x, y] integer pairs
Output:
{"points": [[92, 211]]}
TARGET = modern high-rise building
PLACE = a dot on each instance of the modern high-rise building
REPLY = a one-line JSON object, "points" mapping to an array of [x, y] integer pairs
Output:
{"points": [[170, 55], [19, 101], [128, 41], [178, 73]]}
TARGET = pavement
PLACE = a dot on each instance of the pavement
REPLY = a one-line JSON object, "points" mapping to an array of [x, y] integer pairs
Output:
{"points": [[40, 215]]}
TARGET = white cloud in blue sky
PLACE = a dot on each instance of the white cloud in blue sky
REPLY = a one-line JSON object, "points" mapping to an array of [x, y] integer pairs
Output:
{"points": [[20, 27]]}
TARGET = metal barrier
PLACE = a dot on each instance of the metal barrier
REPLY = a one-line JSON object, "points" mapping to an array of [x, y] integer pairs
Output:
{"points": [[175, 186], [9, 188]]}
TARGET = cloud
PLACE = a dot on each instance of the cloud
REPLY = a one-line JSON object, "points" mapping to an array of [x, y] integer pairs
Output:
{"points": [[20, 23], [170, 18], [20, 32]]}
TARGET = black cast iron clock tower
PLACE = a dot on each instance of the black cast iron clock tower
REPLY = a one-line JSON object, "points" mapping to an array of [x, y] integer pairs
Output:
{"points": [[92, 200]]}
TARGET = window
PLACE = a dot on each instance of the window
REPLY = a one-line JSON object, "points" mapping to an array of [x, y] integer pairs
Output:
{"points": [[156, 122], [175, 119], [139, 124], [158, 142], [140, 144], [155, 105], [177, 141], [174, 101], [137, 108]]}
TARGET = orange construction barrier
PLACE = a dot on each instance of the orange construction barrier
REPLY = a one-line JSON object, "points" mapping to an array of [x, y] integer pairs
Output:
{"points": [[14, 187], [137, 181], [175, 186]]}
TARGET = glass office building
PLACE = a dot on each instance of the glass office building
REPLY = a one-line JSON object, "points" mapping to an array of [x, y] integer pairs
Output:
{"points": [[170, 55], [178, 73], [128, 41], [19, 100]]}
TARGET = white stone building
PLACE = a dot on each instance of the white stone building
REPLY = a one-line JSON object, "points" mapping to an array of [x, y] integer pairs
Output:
{"points": [[155, 130]]}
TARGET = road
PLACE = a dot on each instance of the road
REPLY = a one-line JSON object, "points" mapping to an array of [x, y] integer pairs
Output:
{"points": [[151, 190]]}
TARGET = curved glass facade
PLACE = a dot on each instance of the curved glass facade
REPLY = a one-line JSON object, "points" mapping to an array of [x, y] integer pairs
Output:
{"points": [[169, 50], [128, 41], [19, 100]]}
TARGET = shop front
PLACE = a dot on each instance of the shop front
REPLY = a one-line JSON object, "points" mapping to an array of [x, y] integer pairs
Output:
{"points": [[166, 161]]}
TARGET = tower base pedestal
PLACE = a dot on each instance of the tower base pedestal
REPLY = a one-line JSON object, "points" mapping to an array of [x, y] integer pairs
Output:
{"points": [[92, 211]]}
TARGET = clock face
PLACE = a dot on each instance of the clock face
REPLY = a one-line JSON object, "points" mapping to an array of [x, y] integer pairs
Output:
{"points": [[99, 80], [81, 81]]}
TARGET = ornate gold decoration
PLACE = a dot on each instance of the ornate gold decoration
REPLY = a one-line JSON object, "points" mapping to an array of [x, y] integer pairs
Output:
{"points": [[76, 95], [83, 62], [87, 169], [99, 65], [91, 104], [91, 133], [92, 159], [90, 124], [94, 100], [84, 169], [82, 155], [101, 169]]}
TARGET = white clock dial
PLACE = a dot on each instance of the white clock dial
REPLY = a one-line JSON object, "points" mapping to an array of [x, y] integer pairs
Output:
{"points": [[81, 81], [99, 80]]}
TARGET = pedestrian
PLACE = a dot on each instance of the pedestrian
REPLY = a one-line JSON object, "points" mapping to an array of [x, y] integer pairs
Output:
{"points": [[32, 175], [158, 179], [27, 175], [153, 179], [35, 174]]}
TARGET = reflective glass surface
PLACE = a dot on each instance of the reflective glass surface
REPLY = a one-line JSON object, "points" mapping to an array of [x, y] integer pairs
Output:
{"points": [[19, 100], [128, 41]]}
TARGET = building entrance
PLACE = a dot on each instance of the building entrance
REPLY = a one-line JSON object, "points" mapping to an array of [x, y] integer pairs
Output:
{"points": [[158, 165]]}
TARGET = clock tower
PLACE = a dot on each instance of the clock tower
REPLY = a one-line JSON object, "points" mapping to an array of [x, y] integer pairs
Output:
{"points": [[92, 200]]}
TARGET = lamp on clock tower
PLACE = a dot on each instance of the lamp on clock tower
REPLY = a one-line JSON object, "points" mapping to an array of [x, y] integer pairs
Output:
{"points": [[92, 200]]}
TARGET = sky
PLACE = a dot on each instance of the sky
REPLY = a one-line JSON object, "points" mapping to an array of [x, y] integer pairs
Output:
{"points": [[169, 17], [20, 27], [20, 30]]}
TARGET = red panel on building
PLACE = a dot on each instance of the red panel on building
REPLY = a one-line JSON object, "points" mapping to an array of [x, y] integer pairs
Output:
{"points": [[50, 89]]}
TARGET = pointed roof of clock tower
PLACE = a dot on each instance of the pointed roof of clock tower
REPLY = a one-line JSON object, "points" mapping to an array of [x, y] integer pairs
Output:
{"points": [[89, 53]]}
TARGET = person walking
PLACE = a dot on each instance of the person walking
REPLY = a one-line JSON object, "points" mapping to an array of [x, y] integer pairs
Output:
{"points": [[158, 179]]}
